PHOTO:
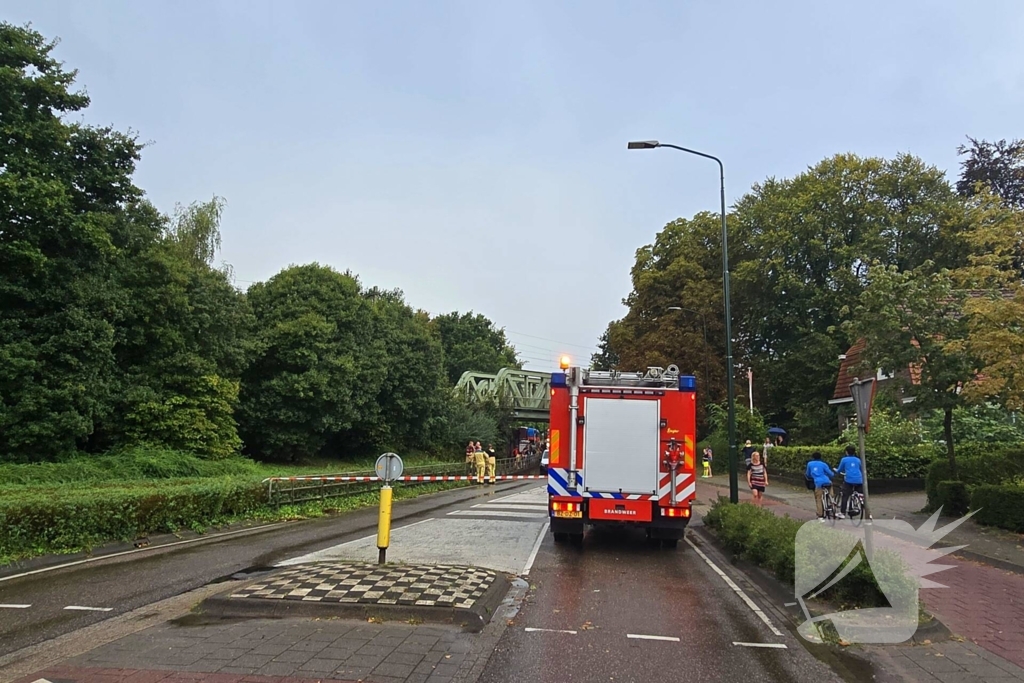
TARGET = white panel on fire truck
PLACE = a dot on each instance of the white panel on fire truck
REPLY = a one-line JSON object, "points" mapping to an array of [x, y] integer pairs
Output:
{"points": [[620, 445]]}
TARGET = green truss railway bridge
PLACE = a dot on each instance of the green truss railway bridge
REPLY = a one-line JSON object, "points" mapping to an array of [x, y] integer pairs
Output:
{"points": [[528, 391]]}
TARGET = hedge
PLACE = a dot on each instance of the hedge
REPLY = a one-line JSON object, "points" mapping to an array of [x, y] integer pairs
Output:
{"points": [[954, 497], [999, 505], [769, 541], [995, 466], [896, 464], [32, 523]]}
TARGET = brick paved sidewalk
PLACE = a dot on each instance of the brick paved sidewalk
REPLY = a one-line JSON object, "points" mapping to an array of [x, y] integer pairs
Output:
{"points": [[981, 603], [265, 650]]}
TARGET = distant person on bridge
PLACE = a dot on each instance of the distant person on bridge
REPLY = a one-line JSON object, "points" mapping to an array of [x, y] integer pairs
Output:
{"points": [[492, 463], [470, 449], [480, 460]]}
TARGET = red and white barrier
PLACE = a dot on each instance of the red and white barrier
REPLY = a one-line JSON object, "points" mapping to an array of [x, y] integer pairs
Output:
{"points": [[419, 477]]}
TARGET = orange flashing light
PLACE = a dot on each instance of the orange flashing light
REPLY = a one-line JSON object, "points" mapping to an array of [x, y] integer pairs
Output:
{"points": [[564, 362]]}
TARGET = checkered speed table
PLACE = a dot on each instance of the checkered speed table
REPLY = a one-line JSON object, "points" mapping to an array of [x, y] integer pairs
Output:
{"points": [[427, 585]]}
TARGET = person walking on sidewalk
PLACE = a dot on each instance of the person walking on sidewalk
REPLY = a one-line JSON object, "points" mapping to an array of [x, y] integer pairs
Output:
{"points": [[757, 478], [768, 445], [748, 451], [853, 476], [821, 475], [706, 459]]}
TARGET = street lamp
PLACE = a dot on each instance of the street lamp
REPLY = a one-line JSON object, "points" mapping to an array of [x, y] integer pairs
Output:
{"points": [[734, 494], [704, 326]]}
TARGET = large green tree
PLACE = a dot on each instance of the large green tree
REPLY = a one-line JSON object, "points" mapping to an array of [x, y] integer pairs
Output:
{"points": [[997, 166], [63, 186], [799, 254], [915, 328], [472, 342], [314, 374], [810, 240], [681, 270], [182, 338]]}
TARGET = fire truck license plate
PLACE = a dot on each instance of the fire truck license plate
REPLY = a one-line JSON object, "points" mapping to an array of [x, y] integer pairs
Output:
{"points": [[569, 513]]}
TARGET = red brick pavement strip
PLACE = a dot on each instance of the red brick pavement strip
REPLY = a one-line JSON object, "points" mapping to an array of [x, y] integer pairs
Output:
{"points": [[981, 603], [62, 674]]}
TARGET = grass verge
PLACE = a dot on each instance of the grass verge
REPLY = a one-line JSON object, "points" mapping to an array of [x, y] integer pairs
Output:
{"points": [[38, 525], [805, 556]]}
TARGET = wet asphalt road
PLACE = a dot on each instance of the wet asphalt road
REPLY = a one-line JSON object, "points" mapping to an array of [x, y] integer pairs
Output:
{"points": [[618, 585], [132, 581]]}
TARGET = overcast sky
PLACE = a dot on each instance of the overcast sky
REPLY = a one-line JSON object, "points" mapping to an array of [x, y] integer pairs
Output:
{"points": [[473, 153]]}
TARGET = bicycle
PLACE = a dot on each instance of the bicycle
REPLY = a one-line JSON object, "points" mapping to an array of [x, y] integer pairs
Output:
{"points": [[830, 503]]}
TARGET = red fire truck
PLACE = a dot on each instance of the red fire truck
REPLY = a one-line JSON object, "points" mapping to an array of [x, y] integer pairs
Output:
{"points": [[622, 451]]}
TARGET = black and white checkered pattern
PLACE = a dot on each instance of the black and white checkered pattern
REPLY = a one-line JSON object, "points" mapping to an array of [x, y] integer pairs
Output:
{"points": [[427, 585]]}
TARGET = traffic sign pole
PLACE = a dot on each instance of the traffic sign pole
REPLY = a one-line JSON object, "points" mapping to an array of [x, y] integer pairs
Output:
{"points": [[863, 398], [389, 467]]}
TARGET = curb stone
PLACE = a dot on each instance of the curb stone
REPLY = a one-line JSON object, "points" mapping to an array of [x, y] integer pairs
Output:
{"points": [[963, 554], [472, 619]]}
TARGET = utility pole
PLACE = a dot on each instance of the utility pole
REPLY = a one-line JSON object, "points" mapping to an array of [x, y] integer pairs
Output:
{"points": [[750, 388]]}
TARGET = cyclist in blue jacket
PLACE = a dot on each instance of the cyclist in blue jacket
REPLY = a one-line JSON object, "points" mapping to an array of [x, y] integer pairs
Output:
{"points": [[853, 476], [821, 474]]}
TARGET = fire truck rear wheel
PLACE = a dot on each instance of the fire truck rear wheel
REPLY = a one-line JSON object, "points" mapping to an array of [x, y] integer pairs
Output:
{"points": [[561, 537], [577, 540], [670, 542]]}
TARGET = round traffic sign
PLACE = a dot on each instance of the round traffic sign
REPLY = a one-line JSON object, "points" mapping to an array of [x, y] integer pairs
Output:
{"points": [[389, 466]]}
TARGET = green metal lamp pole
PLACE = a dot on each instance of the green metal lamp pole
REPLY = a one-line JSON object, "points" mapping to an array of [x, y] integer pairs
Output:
{"points": [[734, 494]]}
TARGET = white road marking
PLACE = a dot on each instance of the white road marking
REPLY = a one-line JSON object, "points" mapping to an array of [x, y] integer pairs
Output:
{"points": [[522, 507], [497, 513], [789, 604], [547, 630], [141, 550], [739, 591], [292, 561], [79, 608], [640, 636], [536, 548], [776, 646], [525, 495], [15, 606]]}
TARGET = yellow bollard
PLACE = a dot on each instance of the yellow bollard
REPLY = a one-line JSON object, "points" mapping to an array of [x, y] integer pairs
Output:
{"points": [[384, 523]]}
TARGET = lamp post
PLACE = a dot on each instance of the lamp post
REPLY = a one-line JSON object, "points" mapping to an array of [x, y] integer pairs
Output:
{"points": [[704, 326], [734, 495]]}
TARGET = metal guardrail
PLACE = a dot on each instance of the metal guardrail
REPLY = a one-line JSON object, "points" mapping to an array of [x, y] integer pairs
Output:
{"points": [[305, 488]]}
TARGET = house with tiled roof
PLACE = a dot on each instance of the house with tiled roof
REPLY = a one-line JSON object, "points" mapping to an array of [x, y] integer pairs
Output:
{"points": [[850, 363]]}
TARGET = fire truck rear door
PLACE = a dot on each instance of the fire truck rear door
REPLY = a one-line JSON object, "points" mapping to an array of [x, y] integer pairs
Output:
{"points": [[620, 445]]}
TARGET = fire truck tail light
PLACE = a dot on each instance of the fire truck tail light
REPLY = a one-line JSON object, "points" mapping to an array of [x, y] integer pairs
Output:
{"points": [[565, 507], [676, 512]]}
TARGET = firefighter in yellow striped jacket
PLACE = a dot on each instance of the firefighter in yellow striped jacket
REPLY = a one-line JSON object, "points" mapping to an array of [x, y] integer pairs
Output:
{"points": [[480, 460]]}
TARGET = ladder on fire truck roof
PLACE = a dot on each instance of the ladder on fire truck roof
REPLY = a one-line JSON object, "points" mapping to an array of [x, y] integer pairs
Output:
{"points": [[654, 377]]}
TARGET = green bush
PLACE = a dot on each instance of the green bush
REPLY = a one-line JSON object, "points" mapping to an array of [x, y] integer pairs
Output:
{"points": [[987, 466], [769, 541], [894, 464], [999, 505], [36, 522], [953, 497]]}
